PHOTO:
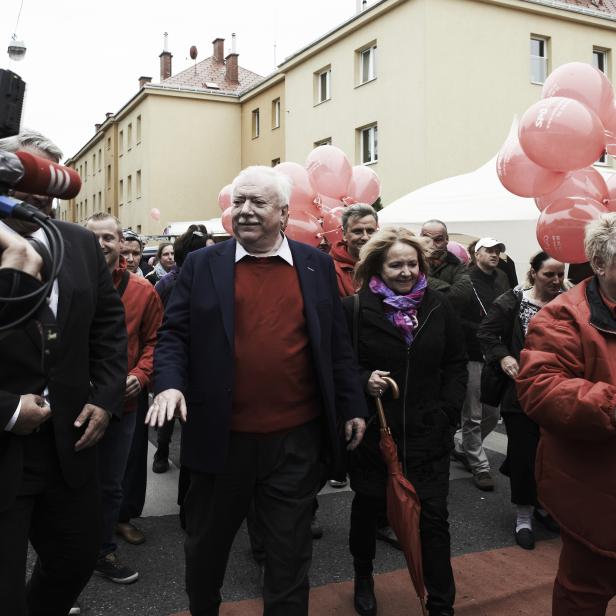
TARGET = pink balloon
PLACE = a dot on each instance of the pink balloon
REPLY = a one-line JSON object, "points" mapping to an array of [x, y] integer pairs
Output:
{"points": [[364, 187], [583, 83], [584, 183], [328, 203], [520, 175], [561, 134], [225, 219], [329, 171], [224, 197], [455, 248], [610, 131], [155, 213], [332, 224], [304, 227], [610, 202], [560, 228], [302, 192]]}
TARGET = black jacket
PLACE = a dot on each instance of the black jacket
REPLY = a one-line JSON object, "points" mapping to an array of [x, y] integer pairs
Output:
{"points": [[431, 374], [488, 287], [451, 278], [501, 334]]}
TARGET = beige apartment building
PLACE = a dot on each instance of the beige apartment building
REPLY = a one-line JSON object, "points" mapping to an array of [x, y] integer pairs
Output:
{"points": [[418, 89]]}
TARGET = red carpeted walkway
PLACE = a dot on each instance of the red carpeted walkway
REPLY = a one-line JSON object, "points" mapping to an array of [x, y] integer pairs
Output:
{"points": [[505, 582]]}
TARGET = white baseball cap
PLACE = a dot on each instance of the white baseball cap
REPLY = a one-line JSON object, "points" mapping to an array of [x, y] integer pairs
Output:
{"points": [[489, 242]]}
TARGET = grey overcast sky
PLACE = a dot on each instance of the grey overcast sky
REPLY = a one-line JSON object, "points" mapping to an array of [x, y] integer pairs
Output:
{"points": [[84, 57]]}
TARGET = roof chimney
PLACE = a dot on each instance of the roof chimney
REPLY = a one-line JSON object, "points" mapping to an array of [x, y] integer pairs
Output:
{"points": [[165, 61], [231, 73], [108, 115], [97, 128], [143, 80], [219, 50], [233, 49]]}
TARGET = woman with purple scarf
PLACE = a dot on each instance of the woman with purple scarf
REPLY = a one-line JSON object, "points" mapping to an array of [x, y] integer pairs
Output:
{"points": [[407, 331]]}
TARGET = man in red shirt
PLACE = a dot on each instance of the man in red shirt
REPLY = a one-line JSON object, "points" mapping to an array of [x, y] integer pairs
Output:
{"points": [[143, 315], [359, 222]]}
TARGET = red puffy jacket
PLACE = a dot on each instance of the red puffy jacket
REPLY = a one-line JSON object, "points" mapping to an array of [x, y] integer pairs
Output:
{"points": [[567, 384]]}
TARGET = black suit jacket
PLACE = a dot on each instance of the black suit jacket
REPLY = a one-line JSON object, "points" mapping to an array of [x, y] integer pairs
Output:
{"points": [[88, 364], [195, 352]]}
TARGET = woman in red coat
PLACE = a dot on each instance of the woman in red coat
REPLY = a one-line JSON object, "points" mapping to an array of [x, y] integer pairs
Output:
{"points": [[567, 384]]}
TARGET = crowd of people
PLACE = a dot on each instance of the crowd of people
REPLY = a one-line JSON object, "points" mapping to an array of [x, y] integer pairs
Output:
{"points": [[271, 352]]}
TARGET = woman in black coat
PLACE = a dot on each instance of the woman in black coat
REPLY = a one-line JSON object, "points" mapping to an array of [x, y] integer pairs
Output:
{"points": [[501, 335], [409, 332]]}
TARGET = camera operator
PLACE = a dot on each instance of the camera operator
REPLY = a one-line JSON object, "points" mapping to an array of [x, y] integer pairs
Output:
{"points": [[62, 376]]}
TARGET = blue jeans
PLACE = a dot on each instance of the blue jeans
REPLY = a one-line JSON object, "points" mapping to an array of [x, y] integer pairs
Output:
{"points": [[113, 451]]}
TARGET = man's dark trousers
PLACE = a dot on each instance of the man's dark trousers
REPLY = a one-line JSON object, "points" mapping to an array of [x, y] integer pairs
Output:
{"points": [[282, 472], [63, 526]]}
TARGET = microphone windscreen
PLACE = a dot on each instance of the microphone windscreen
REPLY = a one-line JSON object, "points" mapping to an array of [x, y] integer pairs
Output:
{"points": [[44, 177]]}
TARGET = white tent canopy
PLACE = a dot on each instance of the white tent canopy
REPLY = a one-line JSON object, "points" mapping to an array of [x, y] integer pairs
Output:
{"points": [[474, 205]]}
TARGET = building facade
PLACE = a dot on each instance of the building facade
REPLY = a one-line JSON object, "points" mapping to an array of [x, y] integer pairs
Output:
{"points": [[418, 89]]}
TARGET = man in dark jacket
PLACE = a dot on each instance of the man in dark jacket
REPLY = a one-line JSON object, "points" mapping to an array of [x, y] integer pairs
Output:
{"points": [[478, 420], [447, 273]]}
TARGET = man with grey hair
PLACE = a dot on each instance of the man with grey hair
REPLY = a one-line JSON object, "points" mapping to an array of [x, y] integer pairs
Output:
{"points": [[567, 384], [56, 399], [447, 273], [255, 357], [359, 223]]}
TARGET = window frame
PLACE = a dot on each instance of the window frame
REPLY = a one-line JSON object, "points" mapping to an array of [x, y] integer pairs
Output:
{"points": [[319, 95], [256, 123], [361, 54], [276, 113], [545, 40], [370, 131]]}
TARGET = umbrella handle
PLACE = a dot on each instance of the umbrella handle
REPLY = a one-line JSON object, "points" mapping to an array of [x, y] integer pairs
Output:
{"points": [[395, 392]]}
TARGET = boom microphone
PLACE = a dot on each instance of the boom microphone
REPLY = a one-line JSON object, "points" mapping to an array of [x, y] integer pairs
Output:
{"points": [[44, 177]]}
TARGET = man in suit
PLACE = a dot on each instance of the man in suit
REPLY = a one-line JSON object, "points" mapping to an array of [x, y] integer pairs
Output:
{"points": [[55, 404], [255, 345]]}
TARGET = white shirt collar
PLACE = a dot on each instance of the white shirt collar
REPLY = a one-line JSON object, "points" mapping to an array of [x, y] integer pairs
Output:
{"points": [[284, 252]]}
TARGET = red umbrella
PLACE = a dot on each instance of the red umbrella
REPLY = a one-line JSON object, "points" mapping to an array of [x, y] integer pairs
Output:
{"points": [[403, 507]]}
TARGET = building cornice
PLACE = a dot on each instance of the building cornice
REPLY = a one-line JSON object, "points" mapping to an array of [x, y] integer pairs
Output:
{"points": [[268, 82]]}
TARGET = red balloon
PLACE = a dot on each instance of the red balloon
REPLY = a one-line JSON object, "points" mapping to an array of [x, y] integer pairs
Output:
{"points": [[364, 187], [304, 227], [328, 203], [225, 219], [583, 83], [561, 134], [585, 183], [560, 228], [155, 213], [610, 202], [329, 171], [302, 193], [521, 176], [224, 197], [332, 224]]}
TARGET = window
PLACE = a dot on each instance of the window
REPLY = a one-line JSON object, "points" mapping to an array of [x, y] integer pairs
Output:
{"points": [[368, 144], [276, 113], [255, 123], [138, 129], [599, 59], [93, 203], [108, 182], [100, 159], [94, 163], [367, 64], [129, 136], [139, 229], [138, 187], [86, 214], [85, 170], [323, 85], [538, 59], [121, 140], [109, 143], [129, 188], [121, 192], [275, 161], [100, 201], [326, 141]]}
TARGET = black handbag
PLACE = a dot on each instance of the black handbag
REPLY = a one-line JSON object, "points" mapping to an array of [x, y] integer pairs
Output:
{"points": [[493, 384]]}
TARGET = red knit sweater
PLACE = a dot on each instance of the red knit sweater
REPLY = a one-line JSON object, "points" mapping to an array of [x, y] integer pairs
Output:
{"points": [[275, 382]]}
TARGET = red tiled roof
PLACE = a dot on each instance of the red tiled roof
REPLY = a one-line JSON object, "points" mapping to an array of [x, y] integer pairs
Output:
{"points": [[604, 6], [211, 71]]}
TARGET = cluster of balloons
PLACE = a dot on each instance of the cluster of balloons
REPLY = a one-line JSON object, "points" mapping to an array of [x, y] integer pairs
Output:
{"points": [[559, 138], [322, 188]]}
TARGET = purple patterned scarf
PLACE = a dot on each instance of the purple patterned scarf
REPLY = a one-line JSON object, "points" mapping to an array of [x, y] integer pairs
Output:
{"points": [[401, 310]]}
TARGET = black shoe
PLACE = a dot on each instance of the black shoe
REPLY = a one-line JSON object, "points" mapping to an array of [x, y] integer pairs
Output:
{"points": [[160, 463], [387, 534], [483, 480], [525, 538], [315, 528], [547, 520], [110, 568], [364, 599]]}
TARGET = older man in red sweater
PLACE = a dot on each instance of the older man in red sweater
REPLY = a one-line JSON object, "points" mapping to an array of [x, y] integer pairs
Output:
{"points": [[143, 315], [255, 338]]}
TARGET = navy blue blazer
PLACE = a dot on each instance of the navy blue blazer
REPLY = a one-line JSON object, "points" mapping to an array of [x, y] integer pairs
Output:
{"points": [[194, 351]]}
